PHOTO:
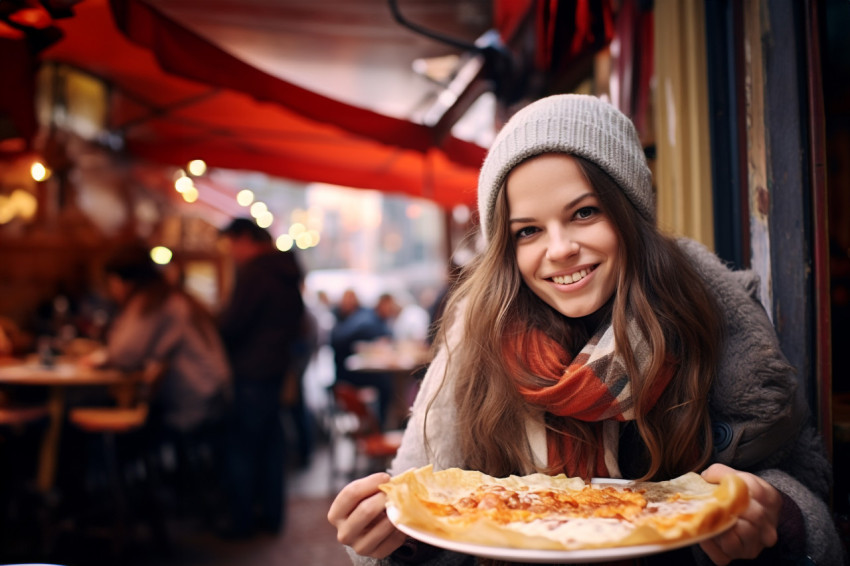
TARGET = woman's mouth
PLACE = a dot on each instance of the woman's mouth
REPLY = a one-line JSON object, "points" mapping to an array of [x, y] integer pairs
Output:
{"points": [[573, 277]]}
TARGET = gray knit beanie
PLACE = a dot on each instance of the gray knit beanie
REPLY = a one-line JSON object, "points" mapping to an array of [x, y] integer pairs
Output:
{"points": [[576, 124]]}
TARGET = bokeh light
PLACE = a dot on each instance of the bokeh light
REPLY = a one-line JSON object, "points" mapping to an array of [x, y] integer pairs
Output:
{"points": [[265, 219], [297, 229], [197, 167], [284, 242], [303, 241], [245, 197], [190, 194], [39, 172], [258, 209], [161, 255], [183, 183]]}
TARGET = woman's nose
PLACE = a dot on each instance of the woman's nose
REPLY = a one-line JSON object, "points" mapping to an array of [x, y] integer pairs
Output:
{"points": [[561, 245]]}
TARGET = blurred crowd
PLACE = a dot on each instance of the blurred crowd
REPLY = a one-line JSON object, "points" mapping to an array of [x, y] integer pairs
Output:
{"points": [[243, 392]]}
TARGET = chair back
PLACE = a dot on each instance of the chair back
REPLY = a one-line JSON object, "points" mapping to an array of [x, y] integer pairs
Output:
{"points": [[347, 399]]}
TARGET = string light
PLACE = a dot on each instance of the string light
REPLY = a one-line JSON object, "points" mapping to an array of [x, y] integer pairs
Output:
{"points": [[183, 183], [284, 242], [161, 255], [258, 209], [39, 172], [197, 167], [245, 197], [265, 219], [191, 194]]}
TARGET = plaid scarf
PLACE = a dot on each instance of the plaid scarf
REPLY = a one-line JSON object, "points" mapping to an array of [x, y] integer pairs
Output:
{"points": [[592, 387]]}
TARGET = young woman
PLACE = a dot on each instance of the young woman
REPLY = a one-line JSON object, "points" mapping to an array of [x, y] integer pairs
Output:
{"points": [[583, 340]]}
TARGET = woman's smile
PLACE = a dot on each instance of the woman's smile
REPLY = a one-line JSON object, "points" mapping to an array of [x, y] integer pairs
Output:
{"points": [[573, 278]]}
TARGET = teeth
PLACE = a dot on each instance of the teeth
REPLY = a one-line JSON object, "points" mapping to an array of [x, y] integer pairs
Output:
{"points": [[567, 279]]}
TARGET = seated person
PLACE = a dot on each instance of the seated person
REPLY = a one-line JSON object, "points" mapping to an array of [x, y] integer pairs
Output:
{"points": [[160, 322], [356, 323]]}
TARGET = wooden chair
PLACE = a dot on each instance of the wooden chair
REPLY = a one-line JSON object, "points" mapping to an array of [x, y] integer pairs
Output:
{"points": [[127, 418], [353, 421]]}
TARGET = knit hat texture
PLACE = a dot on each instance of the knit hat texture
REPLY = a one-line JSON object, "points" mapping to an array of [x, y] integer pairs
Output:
{"points": [[576, 124]]}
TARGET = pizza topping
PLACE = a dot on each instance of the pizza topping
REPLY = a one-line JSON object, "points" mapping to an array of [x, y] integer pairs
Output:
{"points": [[507, 506]]}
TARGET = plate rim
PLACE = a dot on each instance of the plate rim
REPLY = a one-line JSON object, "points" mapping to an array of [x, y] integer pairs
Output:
{"points": [[564, 556]]}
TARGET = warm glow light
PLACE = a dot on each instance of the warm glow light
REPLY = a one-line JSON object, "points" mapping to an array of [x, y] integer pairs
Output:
{"points": [[190, 194], [161, 255], [183, 183], [265, 219], [258, 209], [299, 215], [314, 237], [39, 172], [197, 167], [284, 242], [297, 229], [245, 197], [24, 203], [303, 241]]}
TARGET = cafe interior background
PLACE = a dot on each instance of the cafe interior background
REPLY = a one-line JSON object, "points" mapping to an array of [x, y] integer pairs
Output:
{"points": [[353, 131]]}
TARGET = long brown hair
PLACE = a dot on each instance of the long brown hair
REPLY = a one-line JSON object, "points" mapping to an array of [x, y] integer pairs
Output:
{"points": [[656, 285]]}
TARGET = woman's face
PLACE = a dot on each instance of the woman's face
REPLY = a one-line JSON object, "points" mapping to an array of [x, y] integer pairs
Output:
{"points": [[566, 247]]}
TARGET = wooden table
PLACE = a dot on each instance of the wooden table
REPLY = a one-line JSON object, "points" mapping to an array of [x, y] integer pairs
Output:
{"points": [[57, 379]]}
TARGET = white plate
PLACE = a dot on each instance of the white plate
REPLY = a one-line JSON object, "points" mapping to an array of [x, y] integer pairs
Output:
{"points": [[550, 556]]}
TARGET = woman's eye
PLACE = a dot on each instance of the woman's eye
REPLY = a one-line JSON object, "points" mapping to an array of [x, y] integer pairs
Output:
{"points": [[586, 212], [525, 232]]}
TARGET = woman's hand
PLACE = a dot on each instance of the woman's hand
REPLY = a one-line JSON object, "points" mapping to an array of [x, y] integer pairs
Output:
{"points": [[755, 528], [359, 515]]}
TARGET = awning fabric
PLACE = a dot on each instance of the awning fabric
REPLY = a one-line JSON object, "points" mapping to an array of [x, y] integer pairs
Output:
{"points": [[169, 119], [176, 96]]}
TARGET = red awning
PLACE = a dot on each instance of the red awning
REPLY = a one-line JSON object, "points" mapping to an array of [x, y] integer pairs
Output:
{"points": [[279, 129], [177, 96]]}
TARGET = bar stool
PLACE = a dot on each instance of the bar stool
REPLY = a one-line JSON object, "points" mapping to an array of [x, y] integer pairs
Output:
{"points": [[121, 425]]}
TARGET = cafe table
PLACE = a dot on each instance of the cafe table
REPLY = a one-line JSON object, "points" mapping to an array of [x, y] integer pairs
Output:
{"points": [[401, 359], [57, 378]]}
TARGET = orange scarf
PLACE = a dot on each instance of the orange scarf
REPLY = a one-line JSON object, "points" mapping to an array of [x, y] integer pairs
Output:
{"points": [[592, 387]]}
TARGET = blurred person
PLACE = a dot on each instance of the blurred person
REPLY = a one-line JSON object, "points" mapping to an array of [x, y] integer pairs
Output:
{"points": [[260, 326], [356, 323], [159, 322], [297, 414], [413, 320]]}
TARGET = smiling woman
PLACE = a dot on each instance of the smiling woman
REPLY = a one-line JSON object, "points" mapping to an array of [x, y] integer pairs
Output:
{"points": [[582, 340]]}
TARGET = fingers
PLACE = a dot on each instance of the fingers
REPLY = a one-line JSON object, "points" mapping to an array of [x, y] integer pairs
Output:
{"points": [[379, 540], [359, 515], [755, 528], [715, 473], [743, 540], [352, 494]]}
